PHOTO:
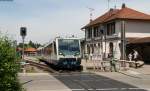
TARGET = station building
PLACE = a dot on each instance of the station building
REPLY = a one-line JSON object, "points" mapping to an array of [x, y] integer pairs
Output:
{"points": [[103, 36], [30, 52]]}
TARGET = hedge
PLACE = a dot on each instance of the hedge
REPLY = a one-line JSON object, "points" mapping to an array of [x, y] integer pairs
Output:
{"points": [[9, 66]]}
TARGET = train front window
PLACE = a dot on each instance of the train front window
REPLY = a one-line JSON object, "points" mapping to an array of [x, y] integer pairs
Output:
{"points": [[68, 47]]}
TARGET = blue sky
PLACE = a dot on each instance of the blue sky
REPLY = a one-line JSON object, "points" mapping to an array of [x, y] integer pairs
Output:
{"points": [[46, 19]]}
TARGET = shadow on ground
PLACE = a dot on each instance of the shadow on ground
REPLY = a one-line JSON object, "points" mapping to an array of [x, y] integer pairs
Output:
{"points": [[93, 82]]}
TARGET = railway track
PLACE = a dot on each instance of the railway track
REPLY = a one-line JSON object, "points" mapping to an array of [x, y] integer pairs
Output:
{"points": [[41, 66], [48, 67]]}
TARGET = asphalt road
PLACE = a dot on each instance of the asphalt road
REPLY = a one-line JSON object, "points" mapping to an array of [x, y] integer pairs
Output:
{"points": [[73, 82], [93, 82]]}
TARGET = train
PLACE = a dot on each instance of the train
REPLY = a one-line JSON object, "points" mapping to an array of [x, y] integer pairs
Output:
{"points": [[64, 53]]}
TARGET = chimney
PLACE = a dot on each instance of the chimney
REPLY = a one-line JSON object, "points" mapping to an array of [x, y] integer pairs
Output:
{"points": [[91, 20], [123, 5], [111, 9]]}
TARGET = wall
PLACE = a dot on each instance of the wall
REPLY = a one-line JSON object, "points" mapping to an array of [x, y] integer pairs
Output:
{"points": [[116, 49], [134, 28]]}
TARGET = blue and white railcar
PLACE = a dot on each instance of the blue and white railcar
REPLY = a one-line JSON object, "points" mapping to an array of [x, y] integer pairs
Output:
{"points": [[65, 53]]}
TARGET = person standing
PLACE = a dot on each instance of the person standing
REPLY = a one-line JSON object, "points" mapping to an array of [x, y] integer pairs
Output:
{"points": [[113, 62], [135, 56], [130, 57]]}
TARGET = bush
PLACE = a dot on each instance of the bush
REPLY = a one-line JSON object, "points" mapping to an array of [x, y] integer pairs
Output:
{"points": [[8, 66]]}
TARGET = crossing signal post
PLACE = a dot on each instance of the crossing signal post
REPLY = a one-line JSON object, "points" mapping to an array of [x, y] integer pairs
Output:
{"points": [[23, 33]]}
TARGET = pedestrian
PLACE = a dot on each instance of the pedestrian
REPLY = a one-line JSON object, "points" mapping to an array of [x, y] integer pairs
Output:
{"points": [[130, 57], [86, 57], [113, 62], [135, 56], [91, 55]]}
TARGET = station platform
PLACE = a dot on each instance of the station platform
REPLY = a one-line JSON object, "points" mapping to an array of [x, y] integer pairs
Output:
{"points": [[106, 66]]}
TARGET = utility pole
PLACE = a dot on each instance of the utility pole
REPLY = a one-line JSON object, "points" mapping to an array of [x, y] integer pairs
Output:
{"points": [[123, 40]]}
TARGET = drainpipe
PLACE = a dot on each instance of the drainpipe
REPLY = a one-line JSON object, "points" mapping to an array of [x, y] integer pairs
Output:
{"points": [[123, 40], [105, 33], [101, 44]]}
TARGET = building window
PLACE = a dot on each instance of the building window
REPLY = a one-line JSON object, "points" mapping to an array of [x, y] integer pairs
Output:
{"points": [[55, 51], [99, 44], [89, 33], [95, 31], [92, 47], [102, 31], [111, 28], [88, 49], [111, 46]]}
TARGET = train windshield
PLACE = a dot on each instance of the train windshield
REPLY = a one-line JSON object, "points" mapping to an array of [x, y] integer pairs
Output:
{"points": [[68, 47]]}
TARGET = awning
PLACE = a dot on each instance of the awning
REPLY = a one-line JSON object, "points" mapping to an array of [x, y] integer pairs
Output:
{"points": [[138, 40]]}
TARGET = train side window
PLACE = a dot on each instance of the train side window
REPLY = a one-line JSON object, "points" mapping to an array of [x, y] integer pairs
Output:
{"points": [[55, 48]]}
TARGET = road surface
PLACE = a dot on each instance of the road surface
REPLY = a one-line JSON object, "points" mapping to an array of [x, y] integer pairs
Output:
{"points": [[74, 82]]}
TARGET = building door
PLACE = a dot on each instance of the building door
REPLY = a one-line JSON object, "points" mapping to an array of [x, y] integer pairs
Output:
{"points": [[111, 48]]}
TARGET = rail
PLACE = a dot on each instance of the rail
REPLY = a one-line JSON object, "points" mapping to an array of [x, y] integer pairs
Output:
{"points": [[41, 66]]}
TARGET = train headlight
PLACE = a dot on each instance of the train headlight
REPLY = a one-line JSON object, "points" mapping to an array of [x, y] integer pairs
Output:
{"points": [[76, 54], [60, 53]]}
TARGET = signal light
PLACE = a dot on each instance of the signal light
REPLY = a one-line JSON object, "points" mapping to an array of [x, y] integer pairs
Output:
{"points": [[23, 31]]}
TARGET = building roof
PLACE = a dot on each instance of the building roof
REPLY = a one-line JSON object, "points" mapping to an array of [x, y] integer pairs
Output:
{"points": [[102, 18], [30, 50], [124, 13], [18, 49], [40, 48], [128, 13]]}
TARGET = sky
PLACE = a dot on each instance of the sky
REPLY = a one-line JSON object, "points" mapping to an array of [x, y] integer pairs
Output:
{"points": [[47, 19]]}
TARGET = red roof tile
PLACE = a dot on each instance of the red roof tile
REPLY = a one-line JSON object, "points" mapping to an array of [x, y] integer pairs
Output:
{"points": [[127, 13], [124, 13], [18, 49], [30, 50], [102, 18]]}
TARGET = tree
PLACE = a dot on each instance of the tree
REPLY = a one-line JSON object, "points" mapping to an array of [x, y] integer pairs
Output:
{"points": [[21, 45], [9, 66], [30, 44], [34, 45]]}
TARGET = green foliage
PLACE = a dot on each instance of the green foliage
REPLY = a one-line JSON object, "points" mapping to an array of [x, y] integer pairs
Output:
{"points": [[9, 66], [30, 44], [21, 45], [34, 45]]}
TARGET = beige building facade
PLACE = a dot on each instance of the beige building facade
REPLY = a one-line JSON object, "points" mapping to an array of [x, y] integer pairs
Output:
{"points": [[106, 34]]}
